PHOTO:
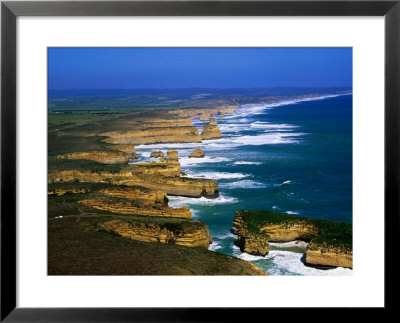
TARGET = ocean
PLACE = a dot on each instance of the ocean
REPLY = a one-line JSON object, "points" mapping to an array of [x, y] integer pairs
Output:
{"points": [[293, 156]]}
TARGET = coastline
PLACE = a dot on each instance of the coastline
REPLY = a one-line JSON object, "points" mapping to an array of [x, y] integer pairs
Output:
{"points": [[227, 162], [230, 124]]}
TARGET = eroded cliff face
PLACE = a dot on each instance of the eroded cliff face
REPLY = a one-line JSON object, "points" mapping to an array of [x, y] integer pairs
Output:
{"points": [[172, 156], [105, 157], [284, 232], [211, 131], [128, 149], [151, 197], [154, 135], [125, 207], [252, 243], [325, 255], [195, 236], [75, 190], [172, 185], [164, 168], [182, 186], [254, 237]]}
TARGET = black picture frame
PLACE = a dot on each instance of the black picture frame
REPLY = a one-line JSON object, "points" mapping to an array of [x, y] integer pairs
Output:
{"points": [[10, 10]]}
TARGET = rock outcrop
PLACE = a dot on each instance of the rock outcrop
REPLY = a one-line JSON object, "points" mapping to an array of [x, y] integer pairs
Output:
{"points": [[172, 155], [157, 154], [128, 149], [195, 235], [330, 243], [154, 136], [105, 157], [172, 185], [325, 256], [205, 116], [73, 190], [164, 168], [141, 195], [198, 153], [125, 207], [211, 131]]}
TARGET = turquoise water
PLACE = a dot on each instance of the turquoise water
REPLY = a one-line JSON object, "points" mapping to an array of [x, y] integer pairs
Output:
{"points": [[293, 157]]}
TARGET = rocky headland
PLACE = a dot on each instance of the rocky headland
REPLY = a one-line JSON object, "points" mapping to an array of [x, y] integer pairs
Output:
{"points": [[183, 233], [155, 135], [128, 207], [130, 199], [330, 243]]}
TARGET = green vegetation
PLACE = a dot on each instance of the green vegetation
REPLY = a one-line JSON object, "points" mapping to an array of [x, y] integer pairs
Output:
{"points": [[337, 234]]}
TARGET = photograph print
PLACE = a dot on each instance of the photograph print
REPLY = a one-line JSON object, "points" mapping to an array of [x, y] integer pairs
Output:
{"points": [[200, 161]]}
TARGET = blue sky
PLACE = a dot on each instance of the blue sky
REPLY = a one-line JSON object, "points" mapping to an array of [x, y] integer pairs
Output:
{"points": [[133, 68]]}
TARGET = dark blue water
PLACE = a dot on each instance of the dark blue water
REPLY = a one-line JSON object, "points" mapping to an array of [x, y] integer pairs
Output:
{"points": [[292, 157]]}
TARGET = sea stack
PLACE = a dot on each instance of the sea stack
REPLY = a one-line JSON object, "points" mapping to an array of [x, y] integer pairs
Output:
{"points": [[198, 153], [211, 131], [172, 155]]}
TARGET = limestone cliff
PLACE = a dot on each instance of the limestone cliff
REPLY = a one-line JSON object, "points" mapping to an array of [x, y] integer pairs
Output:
{"points": [[125, 207], [165, 168], [172, 155], [211, 131], [325, 255], [330, 242], [105, 157], [172, 185], [141, 195], [182, 186], [198, 153], [73, 190], [194, 236], [128, 149], [154, 135]]}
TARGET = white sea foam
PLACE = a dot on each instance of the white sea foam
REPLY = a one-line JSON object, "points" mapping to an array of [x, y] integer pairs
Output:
{"points": [[268, 139], [179, 201], [215, 175], [296, 243], [214, 246], [290, 263], [186, 161], [254, 109], [270, 126], [286, 182], [243, 184], [292, 212], [233, 127], [224, 236], [246, 163]]}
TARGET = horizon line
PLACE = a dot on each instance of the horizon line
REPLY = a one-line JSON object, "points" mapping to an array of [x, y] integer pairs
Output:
{"points": [[208, 88]]}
